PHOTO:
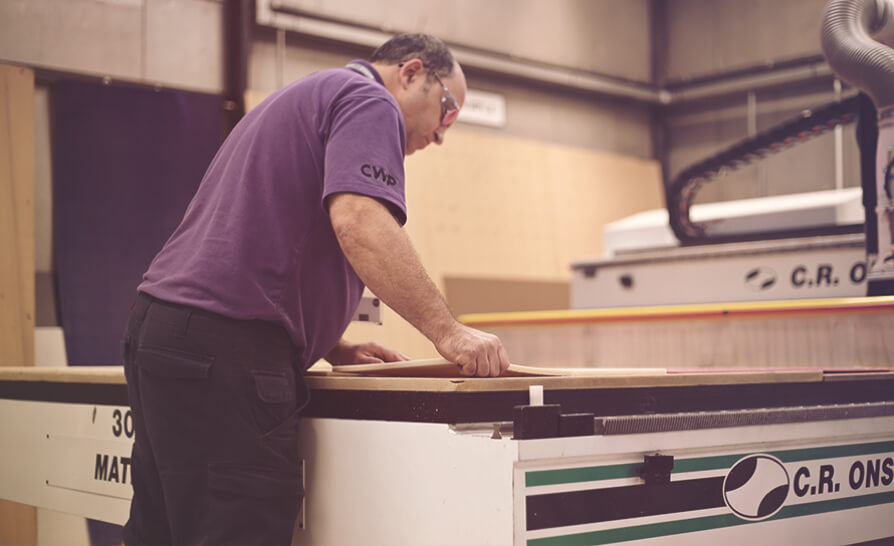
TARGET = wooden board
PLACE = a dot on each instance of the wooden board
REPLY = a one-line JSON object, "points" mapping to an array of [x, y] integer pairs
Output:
{"points": [[351, 381], [66, 374], [438, 367], [501, 384]]}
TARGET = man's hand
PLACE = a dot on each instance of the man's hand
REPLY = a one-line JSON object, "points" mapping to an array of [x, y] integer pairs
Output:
{"points": [[362, 353], [476, 353]]}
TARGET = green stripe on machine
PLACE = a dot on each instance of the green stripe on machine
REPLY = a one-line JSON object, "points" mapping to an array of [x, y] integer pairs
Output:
{"points": [[786, 456], [795, 455], [628, 470], [585, 474], [640, 532]]}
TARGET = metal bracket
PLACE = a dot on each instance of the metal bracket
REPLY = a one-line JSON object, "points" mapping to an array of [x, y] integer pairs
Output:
{"points": [[301, 522], [369, 310]]}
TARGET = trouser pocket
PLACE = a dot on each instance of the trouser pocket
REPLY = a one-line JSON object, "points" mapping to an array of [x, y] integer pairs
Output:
{"points": [[178, 404], [253, 504], [272, 399]]}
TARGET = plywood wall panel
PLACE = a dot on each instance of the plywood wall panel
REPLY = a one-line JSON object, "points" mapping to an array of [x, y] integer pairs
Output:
{"points": [[18, 523], [16, 216]]}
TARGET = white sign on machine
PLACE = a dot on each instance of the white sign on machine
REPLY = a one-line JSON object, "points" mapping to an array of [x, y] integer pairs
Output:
{"points": [[97, 457], [831, 267], [645, 265]]}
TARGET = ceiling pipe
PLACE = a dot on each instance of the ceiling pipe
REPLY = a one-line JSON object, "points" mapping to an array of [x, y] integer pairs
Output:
{"points": [[754, 82], [236, 49]]}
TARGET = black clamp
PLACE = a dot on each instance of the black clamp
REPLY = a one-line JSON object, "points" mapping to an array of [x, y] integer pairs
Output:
{"points": [[547, 421], [656, 469]]}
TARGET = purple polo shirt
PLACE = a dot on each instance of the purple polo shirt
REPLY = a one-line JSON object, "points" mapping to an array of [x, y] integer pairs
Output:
{"points": [[256, 241]]}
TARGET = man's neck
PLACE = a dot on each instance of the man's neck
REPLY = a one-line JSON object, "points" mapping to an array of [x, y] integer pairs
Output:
{"points": [[389, 74]]}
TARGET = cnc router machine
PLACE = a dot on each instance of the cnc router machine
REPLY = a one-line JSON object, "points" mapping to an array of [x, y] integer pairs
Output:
{"points": [[786, 457]]}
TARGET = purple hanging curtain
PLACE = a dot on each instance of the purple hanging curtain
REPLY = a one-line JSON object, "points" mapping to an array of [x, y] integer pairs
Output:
{"points": [[126, 161]]}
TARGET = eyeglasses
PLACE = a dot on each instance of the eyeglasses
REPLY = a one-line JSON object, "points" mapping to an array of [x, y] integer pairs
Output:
{"points": [[449, 106]]}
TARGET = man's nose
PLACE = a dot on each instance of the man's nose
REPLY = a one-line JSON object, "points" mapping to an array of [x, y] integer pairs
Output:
{"points": [[439, 135]]}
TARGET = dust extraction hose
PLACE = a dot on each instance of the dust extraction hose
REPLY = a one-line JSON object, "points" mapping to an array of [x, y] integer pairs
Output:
{"points": [[855, 38]]}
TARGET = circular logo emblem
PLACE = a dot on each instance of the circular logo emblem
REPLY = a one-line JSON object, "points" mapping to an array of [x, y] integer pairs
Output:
{"points": [[756, 487], [760, 279]]}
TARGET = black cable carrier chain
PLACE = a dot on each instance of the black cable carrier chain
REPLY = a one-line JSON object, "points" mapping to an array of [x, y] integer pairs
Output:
{"points": [[682, 190]]}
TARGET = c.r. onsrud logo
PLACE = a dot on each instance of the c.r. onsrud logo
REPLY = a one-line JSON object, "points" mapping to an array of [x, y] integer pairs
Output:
{"points": [[756, 487], [760, 278]]}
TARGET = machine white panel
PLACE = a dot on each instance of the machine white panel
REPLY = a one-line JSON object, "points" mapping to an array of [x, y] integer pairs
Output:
{"points": [[806, 482], [781, 270], [49, 452]]}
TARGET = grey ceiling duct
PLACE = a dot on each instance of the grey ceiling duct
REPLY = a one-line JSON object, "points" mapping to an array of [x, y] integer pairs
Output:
{"points": [[852, 35]]}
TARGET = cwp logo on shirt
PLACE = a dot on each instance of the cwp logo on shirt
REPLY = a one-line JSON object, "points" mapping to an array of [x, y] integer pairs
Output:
{"points": [[756, 487], [377, 173]]}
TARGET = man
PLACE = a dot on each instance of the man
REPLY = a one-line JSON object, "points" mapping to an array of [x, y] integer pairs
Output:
{"points": [[302, 205]]}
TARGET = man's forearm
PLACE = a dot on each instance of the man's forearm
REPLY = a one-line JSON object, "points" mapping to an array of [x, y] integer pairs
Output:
{"points": [[384, 258]]}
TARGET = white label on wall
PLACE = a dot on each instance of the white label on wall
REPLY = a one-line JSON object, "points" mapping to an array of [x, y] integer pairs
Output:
{"points": [[483, 108], [131, 3]]}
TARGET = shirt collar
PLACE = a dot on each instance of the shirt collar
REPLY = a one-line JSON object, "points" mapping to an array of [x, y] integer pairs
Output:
{"points": [[365, 69]]}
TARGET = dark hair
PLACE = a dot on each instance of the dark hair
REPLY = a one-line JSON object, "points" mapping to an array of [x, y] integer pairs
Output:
{"points": [[403, 47]]}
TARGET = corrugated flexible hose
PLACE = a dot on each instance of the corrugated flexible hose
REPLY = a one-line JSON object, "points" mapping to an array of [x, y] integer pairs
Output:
{"points": [[856, 37], [852, 40]]}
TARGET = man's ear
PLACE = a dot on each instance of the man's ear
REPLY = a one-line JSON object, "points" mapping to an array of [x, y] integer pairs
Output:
{"points": [[410, 69]]}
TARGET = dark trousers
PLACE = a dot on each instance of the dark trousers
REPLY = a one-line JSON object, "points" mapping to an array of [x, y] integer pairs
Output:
{"points": [[215, 403]]}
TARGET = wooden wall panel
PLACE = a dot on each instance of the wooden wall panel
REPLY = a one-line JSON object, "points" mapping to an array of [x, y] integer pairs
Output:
{"points": [[500, 295], [18, 523], [16, 216], [490, 206]]}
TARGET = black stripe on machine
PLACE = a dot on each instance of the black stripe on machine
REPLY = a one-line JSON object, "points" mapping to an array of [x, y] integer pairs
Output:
{"points": [[551, 510], [106, 394]]}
